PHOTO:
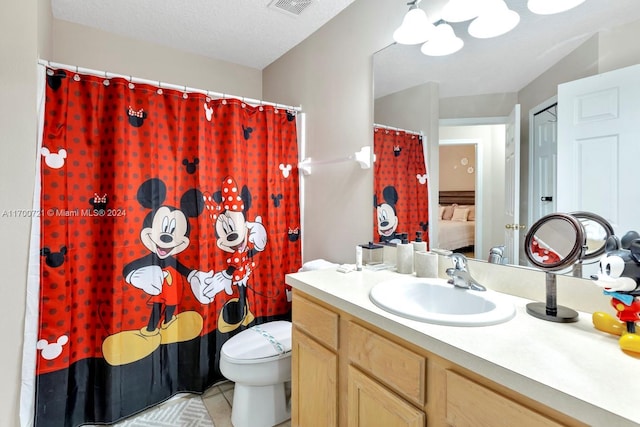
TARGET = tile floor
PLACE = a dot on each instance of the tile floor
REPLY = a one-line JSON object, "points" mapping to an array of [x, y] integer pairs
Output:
{"points": [[218, 399]]}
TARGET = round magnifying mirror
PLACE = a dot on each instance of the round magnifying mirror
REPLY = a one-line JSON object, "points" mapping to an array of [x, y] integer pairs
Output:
{"points": [[555, 242], [597, 230]]}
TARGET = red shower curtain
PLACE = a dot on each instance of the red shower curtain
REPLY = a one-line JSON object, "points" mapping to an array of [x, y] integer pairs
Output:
{"points": [[401, 195], [168, 222]]}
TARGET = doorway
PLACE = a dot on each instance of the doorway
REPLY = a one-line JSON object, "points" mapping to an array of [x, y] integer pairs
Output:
{"points": [[543, 159], [489, 139], [458, 184]]}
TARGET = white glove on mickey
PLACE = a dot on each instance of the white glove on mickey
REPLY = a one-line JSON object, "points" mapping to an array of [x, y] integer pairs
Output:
{"points": [[149, 279], [206, 285]]}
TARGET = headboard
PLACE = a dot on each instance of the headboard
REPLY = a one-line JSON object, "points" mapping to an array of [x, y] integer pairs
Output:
{"points": [[459, 197]]}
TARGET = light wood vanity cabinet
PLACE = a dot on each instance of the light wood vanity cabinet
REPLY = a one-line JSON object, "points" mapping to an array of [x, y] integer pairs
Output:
{"points": [[346, 372], [314, 365]]}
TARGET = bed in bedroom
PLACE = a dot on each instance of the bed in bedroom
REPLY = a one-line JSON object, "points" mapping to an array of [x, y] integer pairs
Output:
{"points": [[457, 225]]}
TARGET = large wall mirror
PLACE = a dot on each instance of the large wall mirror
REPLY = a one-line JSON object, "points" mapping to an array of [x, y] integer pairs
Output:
{"points": [[469, 96]]}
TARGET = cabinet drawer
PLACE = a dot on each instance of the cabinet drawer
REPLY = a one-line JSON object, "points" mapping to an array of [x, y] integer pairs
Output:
{"points": [[316, 321], [402, 370], [470, 404]]}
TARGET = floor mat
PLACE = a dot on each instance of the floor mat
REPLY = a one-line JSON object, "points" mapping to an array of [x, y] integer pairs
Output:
{"points": [[187, 412]]}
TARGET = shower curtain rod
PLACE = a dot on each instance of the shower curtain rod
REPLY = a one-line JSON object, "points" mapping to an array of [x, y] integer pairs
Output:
{"points": [[163, 85], [413, 132]]}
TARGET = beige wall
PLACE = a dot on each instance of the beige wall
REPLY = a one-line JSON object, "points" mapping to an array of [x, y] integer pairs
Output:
{"points": [[86, 47], [330, 75], [488, 105], [453, 173], [619, 48], [20, 41]]}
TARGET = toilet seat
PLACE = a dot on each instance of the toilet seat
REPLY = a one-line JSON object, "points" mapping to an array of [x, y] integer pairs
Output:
{"points": [[258, 361], [259, 344]]}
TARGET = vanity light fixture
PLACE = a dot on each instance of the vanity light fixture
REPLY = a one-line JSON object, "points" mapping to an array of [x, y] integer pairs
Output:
{"points": [[444, 42], [548, 7], [415, 28], [461, 10], [494, 20], [490, 18]]}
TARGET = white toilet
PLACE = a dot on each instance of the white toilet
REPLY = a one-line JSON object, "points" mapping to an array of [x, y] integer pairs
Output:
{"points": [[258, 360]]}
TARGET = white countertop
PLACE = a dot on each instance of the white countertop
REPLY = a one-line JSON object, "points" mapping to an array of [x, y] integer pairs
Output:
{"points": [[571, 367]]}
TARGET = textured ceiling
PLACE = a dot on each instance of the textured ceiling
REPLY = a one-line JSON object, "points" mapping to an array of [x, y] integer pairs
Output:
{"points": [[250, 33], [502, 64], [244, 32]]}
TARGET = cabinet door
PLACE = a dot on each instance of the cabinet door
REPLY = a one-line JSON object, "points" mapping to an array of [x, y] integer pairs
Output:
{"points": [[470, 404], [314, 383], [372, 405]]}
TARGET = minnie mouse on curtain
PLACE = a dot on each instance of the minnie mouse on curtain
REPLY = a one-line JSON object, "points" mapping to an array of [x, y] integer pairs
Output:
{"points": [[168, 223], [401, 195]]}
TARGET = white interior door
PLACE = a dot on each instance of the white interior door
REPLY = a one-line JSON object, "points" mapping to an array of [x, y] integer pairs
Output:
{"points": [[512, 187], [544, 163], [598, 147]]}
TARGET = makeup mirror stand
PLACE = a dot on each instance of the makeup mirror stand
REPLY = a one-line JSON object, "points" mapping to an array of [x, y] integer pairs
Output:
{"points": [[550, 310]]}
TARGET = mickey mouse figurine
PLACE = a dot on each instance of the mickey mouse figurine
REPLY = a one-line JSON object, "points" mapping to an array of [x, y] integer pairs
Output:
{"points": [[619, 275], [165, 233]]}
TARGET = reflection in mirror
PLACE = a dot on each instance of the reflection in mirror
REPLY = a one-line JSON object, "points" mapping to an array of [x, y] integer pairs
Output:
{"points": [[483, 81], [401, 206], [554, 242], [597, 231]]}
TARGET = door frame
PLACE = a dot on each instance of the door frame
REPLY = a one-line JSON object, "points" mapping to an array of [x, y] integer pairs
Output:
{"points": [[475, 121], [532, 112], [477, 143]]}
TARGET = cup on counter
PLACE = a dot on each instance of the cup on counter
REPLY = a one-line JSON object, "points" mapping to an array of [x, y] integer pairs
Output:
{"points": [[426, 264]]}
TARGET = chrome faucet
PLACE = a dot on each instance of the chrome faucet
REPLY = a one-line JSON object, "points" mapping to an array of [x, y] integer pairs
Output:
{"points": [[496, 254], [460, 276]]}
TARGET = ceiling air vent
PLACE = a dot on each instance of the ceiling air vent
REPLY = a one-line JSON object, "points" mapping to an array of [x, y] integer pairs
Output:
{"points": [[290, 7]]}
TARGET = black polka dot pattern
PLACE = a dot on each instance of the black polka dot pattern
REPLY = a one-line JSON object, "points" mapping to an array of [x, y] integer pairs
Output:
{"points": [[101, 142]]}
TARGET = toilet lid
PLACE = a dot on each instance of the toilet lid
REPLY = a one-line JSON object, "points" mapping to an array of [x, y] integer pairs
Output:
{"points": [[260, 341]]}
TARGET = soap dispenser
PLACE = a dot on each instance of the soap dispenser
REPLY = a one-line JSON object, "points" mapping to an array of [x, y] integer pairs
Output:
{"points": [[418, 244], [405, 256]]}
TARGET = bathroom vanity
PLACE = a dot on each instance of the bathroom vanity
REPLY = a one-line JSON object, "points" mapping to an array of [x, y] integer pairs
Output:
{"points": [[354, 364]]}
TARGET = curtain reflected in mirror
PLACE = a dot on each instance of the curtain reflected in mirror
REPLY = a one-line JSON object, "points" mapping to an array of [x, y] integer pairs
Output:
{"points": [[401, 194]]}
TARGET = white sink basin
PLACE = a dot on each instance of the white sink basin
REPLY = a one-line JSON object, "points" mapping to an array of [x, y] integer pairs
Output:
{"points": [[436, 301]]}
